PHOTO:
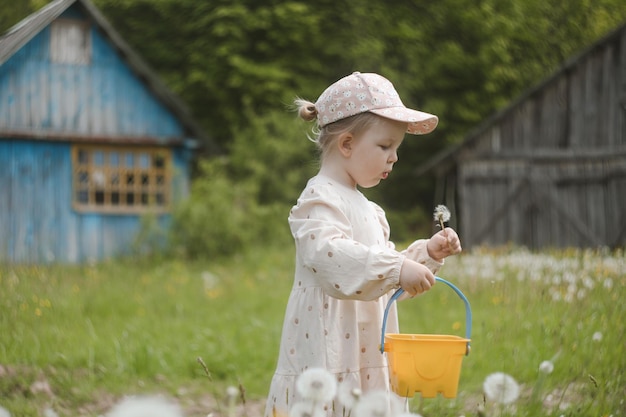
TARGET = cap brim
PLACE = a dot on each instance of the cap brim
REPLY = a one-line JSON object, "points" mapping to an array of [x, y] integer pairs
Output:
{"points": [[419, 122]]}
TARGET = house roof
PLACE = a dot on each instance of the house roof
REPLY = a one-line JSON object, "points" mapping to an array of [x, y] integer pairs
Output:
{"points": [[446, 157], [20, 34]]}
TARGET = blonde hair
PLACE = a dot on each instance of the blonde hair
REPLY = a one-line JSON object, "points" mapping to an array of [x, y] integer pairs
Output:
{"points": [[324, 137]]}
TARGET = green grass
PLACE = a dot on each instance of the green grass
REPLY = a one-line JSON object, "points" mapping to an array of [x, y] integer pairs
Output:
{"points": [[94, 333]]}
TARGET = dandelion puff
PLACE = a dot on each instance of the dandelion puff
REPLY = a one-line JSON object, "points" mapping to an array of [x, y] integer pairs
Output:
{"points": [[597, 336], [4, 412], [306, 409], [348, 396], [49, 412], [373, 404], [317, 384], [501, 388], [546, 367], [148, 406], [441, 215]]}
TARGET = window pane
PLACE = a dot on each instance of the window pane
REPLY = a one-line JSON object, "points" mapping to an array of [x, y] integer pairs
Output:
{"points": [[114, 159], [159, 161], [144, 160], [82, 197], [129, 160], [83, 156], [98, 158], [83, 178]]}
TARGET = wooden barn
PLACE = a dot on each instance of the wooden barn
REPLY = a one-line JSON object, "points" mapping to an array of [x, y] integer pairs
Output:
{"points": [[90, 139], [548, 171]]}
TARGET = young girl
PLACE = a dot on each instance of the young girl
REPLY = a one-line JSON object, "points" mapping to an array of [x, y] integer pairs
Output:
{"points": [[346, 267]]}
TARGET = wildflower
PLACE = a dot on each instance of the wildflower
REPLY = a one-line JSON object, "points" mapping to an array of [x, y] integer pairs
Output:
{"points": [[348, 396], [501, 388], [49, 412], [306, 409], [377, 404], [145, 407], [317, 384], [441, 215], [232, 393], [597, 336], [546, 367]]}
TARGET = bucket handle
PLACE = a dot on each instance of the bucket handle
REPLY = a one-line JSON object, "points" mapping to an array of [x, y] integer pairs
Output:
{"points": [[468, 314]]}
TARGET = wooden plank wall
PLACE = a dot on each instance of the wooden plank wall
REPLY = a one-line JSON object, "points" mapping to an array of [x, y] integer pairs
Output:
{"points": [[104, 98], [552, 171], [37, 222]]}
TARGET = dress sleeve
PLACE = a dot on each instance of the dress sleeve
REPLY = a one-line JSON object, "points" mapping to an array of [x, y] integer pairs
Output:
{"points": [[417, 251], [343, 266]]}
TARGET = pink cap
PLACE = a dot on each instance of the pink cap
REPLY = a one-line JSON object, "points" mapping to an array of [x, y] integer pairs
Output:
{"points": [[368, 92]]}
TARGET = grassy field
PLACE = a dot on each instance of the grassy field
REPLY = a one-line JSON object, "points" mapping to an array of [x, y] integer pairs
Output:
{"points": [[77, 338]]}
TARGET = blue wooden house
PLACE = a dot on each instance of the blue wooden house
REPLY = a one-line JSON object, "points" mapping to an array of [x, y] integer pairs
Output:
{"points": [[90, 139]]}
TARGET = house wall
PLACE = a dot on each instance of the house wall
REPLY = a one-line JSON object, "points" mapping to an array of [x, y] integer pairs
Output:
{"points": [[47, 106], [37, 222], [103, 98], [551, 170]]}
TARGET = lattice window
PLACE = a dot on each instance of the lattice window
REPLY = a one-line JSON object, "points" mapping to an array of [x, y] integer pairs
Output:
{"points": [[121, 180], [70, 42]]}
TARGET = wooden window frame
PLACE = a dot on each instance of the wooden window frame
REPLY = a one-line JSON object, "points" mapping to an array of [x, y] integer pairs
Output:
{"points": [[121, 180]]}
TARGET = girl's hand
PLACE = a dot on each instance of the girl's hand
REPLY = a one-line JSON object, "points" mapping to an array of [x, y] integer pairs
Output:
{"points": [[443, 244], [415, 278]]}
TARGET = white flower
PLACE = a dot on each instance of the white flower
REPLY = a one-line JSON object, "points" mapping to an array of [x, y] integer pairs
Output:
{"points": [[49, 412], [348, 396], [145, 407], [501, 388], [377, 404], [442, 214], [317, 384], [597, 336], [546, 367], [306, 409], [4, 412], [232, 392]]}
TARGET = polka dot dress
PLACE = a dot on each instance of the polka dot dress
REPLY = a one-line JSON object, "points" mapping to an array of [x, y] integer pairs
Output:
{"points": [[346, 270]]}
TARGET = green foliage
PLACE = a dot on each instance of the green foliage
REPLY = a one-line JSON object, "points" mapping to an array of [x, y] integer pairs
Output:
{"points": [[219, 218], [244, 199]]}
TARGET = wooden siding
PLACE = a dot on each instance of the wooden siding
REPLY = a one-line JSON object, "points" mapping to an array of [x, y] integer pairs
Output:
{"points": [[550, 170], [37, 222], [103, 99]]}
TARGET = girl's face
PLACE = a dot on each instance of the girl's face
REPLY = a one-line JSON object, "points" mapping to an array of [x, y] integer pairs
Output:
{"points": [[373, 153]]}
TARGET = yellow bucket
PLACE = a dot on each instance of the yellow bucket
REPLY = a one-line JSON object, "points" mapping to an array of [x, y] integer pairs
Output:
{"points": [[424, 363]]}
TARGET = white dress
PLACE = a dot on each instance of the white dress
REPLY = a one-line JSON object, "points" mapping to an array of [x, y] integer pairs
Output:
{"points": [[346, 271]]}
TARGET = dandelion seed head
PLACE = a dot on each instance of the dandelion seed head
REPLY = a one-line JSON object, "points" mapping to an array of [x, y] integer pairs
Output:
{"points": [[441, 214], [317, 384], [501, 388], [348, 396], [376, 404], [4, 412], [306, 409], [232, 391], [546, 367], [597, 336], [148, 406]]}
